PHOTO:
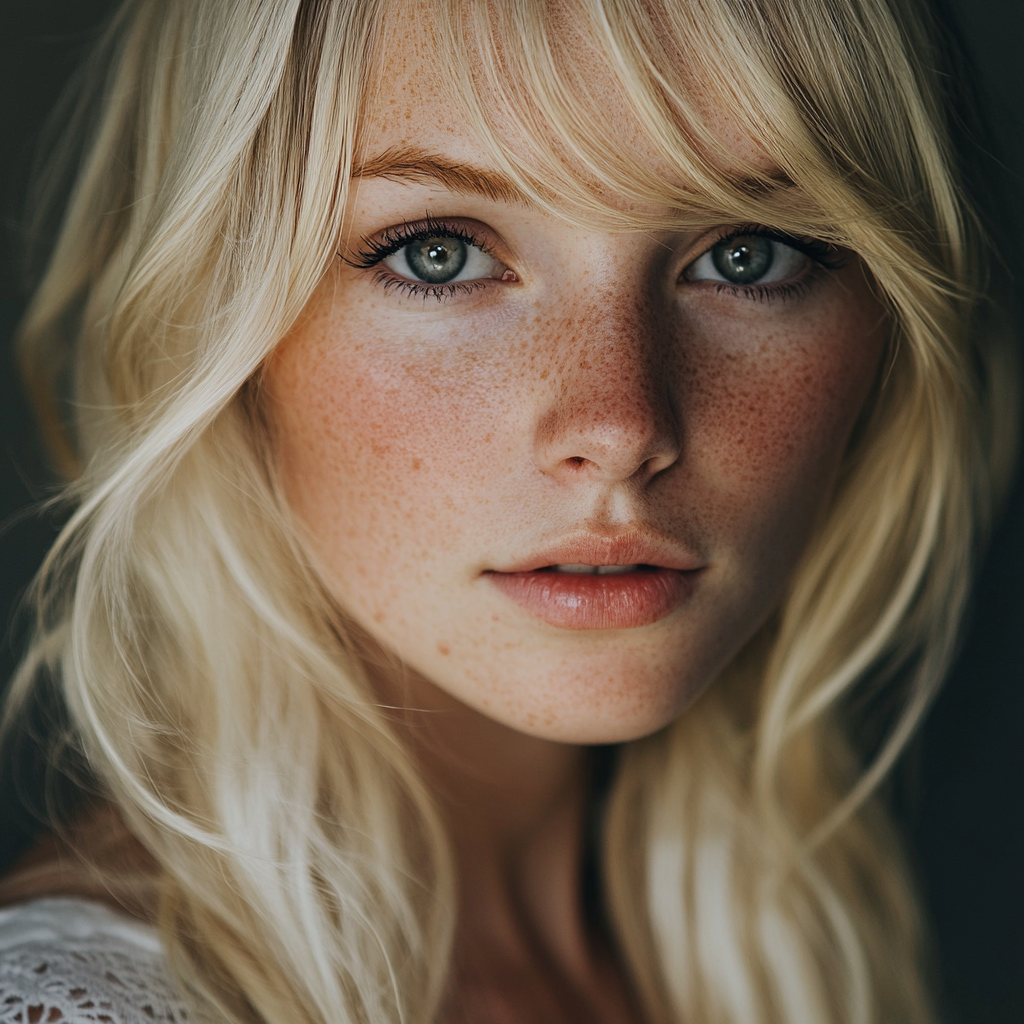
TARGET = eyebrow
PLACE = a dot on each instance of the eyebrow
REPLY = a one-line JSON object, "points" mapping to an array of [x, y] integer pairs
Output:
{"points": [[405, 164], [402, 163]]}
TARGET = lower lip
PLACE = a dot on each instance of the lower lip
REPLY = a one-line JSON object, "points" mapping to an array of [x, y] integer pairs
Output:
{"points": [[579, 601]]}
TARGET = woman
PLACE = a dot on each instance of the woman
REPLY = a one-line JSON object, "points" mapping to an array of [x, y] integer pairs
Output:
{"points": [[508, 441]]}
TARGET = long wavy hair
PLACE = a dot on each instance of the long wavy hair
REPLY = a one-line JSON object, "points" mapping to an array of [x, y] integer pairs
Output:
{"points": [[211, 687]]}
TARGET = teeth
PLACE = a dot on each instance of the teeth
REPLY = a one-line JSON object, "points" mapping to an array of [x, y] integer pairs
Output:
{"points": [[595, 570]]}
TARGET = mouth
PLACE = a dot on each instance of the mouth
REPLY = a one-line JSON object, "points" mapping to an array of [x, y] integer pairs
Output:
{"points": [[595, 587], [580, 569]]}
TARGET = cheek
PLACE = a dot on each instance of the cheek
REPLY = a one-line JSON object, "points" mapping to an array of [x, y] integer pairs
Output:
{"points": [[770, 412], [374, 442]]}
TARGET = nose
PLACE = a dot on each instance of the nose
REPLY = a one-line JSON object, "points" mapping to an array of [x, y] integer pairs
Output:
{"points": [[609, 413]]}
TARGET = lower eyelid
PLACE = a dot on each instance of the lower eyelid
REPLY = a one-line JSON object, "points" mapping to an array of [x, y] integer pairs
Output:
{"points": [[781, 292], [423, 290]]}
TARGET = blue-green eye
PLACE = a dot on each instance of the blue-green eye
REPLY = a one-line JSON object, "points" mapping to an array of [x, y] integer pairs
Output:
{"points": [[437, 260], [749, 259], [442, 259]]}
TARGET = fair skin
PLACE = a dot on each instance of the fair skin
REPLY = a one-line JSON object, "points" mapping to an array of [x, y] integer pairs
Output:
{"points": [[584, 398], [581, 397]]}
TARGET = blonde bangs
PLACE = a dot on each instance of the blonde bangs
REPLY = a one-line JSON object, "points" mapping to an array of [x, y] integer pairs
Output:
{"points": [[712, 119]]}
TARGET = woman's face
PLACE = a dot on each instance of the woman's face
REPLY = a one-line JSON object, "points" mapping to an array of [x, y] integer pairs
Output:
{"points": [[562, 474]]}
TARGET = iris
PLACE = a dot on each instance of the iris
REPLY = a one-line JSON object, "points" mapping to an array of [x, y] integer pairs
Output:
{"points": [[436, 260], [743, 259]]}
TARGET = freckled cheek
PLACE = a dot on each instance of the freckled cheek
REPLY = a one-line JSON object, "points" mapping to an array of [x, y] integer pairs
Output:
{"points": [[382, 453], [770, 429]]}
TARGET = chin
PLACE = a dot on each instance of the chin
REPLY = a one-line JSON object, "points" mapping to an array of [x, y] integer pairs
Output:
{"points": [[588, 703], [590, 725]]}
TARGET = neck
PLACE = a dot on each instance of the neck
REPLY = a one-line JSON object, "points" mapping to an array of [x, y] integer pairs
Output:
{"points": [[516, 808], [517, 811]]}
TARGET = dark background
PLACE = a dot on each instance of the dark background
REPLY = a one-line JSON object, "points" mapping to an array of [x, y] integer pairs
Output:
{"points": [[960, 790]]}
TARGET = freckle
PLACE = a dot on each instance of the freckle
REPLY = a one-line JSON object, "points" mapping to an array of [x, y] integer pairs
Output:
{"points": [[443, 648], [545, 375], [378, 617], [416, 463]]}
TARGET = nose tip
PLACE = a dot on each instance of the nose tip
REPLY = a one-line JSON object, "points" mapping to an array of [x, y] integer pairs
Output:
{"points": [[615, 428]]}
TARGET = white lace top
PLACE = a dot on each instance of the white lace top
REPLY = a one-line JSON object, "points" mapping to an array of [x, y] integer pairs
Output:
{"points": [[75, 961]]}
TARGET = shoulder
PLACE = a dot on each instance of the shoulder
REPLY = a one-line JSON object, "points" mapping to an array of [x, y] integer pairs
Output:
{"points": [[75, 961]]}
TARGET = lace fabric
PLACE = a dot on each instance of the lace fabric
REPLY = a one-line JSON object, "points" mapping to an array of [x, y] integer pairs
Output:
{"points": [[75, 961]]}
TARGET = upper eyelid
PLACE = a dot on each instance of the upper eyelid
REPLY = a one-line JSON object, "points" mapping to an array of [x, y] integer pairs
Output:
{"points": [[823, 253], [376, 248]]}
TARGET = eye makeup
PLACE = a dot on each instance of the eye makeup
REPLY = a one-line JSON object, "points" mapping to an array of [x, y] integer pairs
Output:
{"points": [[377, 253], [404, 257], [760, 263]]}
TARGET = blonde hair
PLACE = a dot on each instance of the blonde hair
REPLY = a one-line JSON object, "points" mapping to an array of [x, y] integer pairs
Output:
{"points": [[304, 874]]}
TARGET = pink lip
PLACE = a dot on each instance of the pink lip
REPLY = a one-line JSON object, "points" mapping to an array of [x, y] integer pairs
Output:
{"points": [[597, 602], [620, 601]]}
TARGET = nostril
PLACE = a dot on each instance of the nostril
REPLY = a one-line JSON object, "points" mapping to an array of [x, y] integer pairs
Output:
{"points": [[586, 437]]}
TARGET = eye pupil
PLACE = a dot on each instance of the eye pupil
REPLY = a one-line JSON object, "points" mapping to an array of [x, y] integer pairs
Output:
{"points": [[744, 259], [436, 260]]}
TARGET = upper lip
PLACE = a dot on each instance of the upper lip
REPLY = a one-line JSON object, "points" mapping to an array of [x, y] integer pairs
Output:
{"points": [[631, 548]]}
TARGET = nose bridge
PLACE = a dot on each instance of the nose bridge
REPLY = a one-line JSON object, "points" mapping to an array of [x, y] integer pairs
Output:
{"points": [[609, 408]]}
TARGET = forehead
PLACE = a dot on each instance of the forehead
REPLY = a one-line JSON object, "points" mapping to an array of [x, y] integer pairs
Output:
{"points": [[416, 99]]}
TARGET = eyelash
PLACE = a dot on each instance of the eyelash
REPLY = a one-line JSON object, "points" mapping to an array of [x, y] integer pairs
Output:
{"points": [[374, 251], [824, 254]]}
